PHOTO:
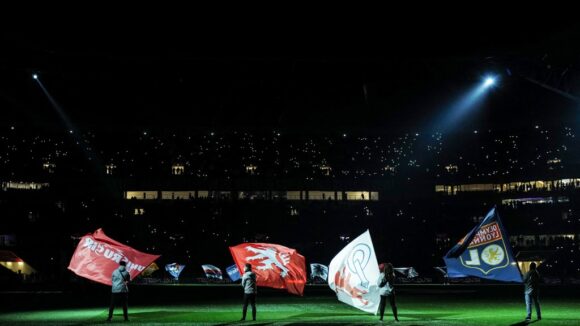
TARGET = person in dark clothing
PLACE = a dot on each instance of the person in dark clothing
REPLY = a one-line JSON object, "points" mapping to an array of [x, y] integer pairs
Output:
{"points": [[119, 290], [250, 290], [387, 289], [532, 283]]}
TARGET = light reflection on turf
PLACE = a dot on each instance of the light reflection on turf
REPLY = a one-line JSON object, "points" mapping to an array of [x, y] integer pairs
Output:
{"points": [[316, 311]]}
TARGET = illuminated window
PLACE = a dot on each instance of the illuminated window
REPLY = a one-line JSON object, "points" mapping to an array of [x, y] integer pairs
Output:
{"points": [[109, 168], [534, 200], [321, 195], [326, 170], [49, 167], [452, 168], [389, 168], [177, 169], [252, 195], [174, 195], [293, 195], [357, 195], [23, 185], [138, 211], [251, 169], [516, 186], [141, 195]]}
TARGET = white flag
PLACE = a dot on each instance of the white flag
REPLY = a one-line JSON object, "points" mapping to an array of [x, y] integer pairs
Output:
{"points": [[408, 272], [354, 274]]}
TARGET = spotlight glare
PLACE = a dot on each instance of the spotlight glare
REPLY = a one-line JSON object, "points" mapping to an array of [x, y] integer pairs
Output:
{"points": [[489, 81], [34, 76]]}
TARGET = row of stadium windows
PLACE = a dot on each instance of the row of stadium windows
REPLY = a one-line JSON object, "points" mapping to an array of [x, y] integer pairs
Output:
{"points": [[253, 195], [541, 240], [514, 202], [521, 186], [19, 185]]}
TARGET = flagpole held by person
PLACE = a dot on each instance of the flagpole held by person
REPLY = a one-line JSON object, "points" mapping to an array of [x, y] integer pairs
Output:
{"points": [[387, 289], [119, 290], [250, 291]]}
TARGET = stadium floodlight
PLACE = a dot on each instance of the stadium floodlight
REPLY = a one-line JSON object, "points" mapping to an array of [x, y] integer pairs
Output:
{"points": [[466, 103], [488, 82]]}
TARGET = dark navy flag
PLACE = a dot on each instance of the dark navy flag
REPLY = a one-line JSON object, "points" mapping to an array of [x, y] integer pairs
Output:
{"points": [[211, 271], [233, 272], [484, 252], [174, 269]]}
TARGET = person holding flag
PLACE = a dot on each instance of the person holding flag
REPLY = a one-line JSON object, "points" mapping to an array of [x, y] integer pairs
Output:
{"points": [[387, 289], [119, 290], [532, 282], [97, 256], [250, 291], [275, 266]]}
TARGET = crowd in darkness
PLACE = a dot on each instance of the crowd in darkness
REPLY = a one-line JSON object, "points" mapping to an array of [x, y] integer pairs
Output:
{"points": [[478, 155], [409, 230]]}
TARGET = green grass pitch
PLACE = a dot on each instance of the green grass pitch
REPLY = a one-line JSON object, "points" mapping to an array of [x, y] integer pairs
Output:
{"points": [[415, 310]]}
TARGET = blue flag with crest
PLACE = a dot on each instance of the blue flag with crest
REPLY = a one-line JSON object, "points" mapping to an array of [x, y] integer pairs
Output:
{"points": [[174, 269], [484, 252], [233, 272]]}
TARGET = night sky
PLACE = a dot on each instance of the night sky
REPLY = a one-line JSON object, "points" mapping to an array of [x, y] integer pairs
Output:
{"points": [[375, 79]]}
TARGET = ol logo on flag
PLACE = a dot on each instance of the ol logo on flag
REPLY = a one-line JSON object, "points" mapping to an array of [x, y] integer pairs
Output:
{"points": [[486, 251]]}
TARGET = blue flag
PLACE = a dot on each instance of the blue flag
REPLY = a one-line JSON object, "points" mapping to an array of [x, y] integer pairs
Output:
{"points": [[484, 252], [174, 269], [233, 272], [318, 270]]}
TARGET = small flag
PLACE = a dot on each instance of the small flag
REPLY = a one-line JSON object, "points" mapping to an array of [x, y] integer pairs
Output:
{"points": [[150, 269], [408, 272], [174, 269], [211, 271], [233, 273], [318, 270]]}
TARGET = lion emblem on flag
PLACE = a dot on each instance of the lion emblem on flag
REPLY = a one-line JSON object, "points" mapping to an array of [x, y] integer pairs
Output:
{"points": [[269, 259]]}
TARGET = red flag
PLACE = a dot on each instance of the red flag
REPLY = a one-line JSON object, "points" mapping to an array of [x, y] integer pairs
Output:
{"points": [[97, 256], [275, 266]]}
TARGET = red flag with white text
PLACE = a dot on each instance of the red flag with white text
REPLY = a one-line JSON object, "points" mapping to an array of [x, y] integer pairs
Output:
{"points": [[275, 266], [97, 256]]}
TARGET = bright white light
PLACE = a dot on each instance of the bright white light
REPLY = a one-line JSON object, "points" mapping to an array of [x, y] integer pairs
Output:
{"points": [[489, 81], [34, 76]]}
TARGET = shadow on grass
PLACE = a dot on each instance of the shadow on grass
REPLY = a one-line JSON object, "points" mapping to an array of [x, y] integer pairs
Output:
{"points": [[524, 322], [157, 314], [327, 314], [248, 322], [388, 318]]}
